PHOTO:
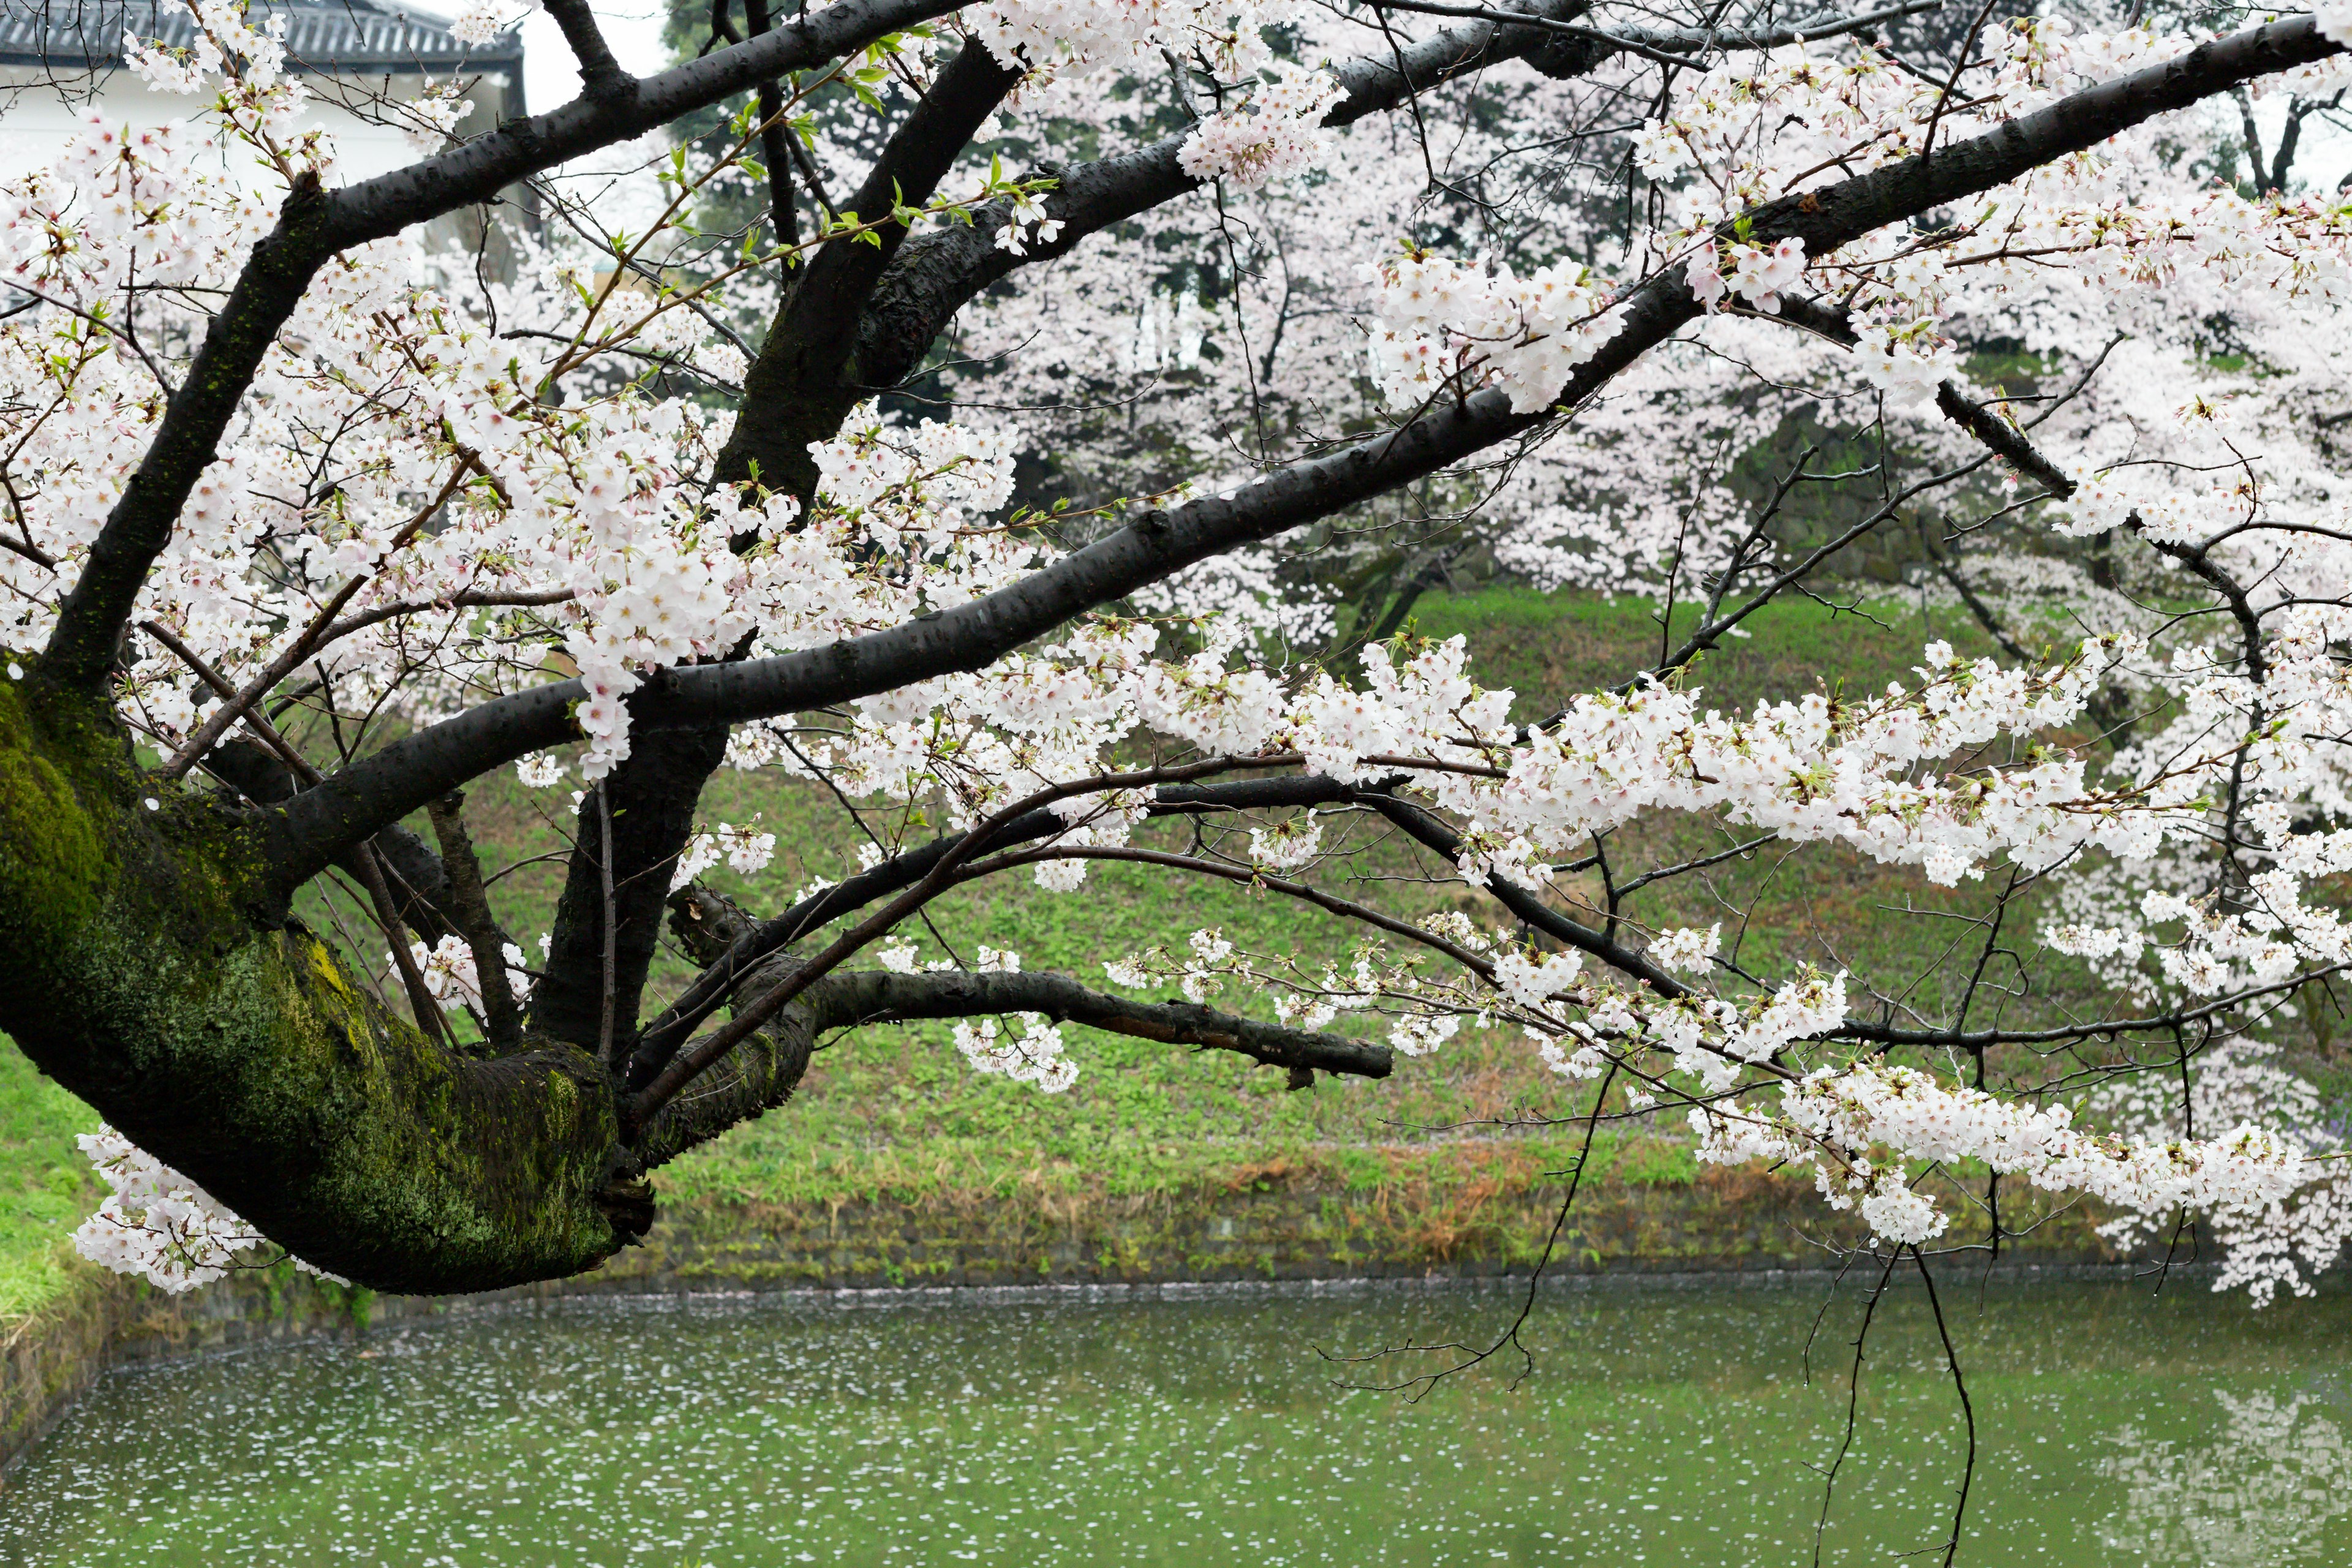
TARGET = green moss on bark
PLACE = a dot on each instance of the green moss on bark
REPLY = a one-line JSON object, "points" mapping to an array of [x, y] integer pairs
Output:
{"points": [[144, 966]]}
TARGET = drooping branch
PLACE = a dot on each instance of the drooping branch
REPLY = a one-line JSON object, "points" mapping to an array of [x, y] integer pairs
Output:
{"points": [[402, 777], [742, 949]]}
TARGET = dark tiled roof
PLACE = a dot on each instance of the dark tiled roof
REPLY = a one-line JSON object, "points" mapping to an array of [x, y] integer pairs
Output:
{"points": [[325, 35]]}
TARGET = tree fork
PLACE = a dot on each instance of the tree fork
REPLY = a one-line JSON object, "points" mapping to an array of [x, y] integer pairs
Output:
{"points": [[804, 381]]}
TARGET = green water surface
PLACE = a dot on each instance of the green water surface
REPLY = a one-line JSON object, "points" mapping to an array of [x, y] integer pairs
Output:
{"points": [[1656, 1426]]}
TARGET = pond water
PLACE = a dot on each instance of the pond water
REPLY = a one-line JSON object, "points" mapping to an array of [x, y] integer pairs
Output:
{"points": [[1658, 1426]]}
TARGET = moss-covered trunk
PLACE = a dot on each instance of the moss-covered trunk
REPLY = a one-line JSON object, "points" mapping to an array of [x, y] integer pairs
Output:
{"points": [[147, 964]]}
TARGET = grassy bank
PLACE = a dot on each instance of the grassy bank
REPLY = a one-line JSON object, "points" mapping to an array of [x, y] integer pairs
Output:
{"points": [[894, 1117], [45, 1187]]}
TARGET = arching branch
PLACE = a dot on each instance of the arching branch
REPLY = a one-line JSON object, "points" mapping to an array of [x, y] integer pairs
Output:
{"points": [[404, 775], [741, 948]]}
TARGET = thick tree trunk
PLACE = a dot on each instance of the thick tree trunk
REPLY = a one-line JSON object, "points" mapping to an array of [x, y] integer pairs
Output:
{"points": [[651, 798], [145, 966]]}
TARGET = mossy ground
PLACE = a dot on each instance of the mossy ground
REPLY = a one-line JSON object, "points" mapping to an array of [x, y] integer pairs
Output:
{"points": [[894, 1115]]}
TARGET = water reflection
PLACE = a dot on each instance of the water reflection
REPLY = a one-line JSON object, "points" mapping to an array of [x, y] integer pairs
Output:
{"points": [[2278, 1478], [1661, 1428]]}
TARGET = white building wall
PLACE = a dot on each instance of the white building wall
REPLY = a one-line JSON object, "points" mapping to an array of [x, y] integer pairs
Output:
{"points": [[36, 118]]}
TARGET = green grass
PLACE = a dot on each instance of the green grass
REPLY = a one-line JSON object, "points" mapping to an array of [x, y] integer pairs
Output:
{"points": [[895, 1112], [46, 1186]]}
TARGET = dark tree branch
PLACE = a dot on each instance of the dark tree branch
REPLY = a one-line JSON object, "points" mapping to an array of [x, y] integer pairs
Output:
{"points": [[732, 950], [600, 74], [865, 997], [752, 1015], [787, 394], [774, 151], [471, 904], [420, 883], [1670, 45], [653, 792], [1523, 903], [420, 887], [392, 782], [761, 1071], [421, 1002], [315, 224], [652, 795], [403, 776], [2005, 440], [758, 1075], [1427, 829]]}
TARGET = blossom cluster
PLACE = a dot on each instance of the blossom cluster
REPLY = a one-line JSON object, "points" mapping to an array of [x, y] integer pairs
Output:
{"points": [[1862, 1128], [1277, 133], [158, 1225], [1077, 38], [1756, 273], [747, 850], [1033, 1056], [1443, 325], [452, 979]]}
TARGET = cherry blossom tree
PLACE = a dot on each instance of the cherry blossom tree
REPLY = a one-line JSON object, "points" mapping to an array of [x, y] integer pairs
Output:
{"points": [[307, 528]]}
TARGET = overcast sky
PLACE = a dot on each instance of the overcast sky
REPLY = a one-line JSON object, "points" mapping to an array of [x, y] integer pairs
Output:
{"points": [[632, 27]]}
